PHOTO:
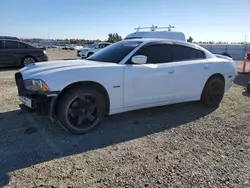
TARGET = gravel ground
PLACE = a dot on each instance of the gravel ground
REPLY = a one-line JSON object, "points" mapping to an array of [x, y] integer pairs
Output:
{"points": [[183, 145]]}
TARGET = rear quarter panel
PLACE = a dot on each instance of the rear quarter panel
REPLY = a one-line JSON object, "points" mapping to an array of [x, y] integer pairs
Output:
{"points": [[192, 77], [228, 70]]}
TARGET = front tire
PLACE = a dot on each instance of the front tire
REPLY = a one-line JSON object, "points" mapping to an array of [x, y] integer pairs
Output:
{"points": [[80, 111], [213, 92]]}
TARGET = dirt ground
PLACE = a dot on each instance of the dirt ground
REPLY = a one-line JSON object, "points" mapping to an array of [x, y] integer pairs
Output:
{"points": [[183, 145]]}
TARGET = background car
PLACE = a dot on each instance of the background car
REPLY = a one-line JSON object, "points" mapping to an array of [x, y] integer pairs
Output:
{"points": [[18, 53], [93, 48], [68, 47], [51, 46]]}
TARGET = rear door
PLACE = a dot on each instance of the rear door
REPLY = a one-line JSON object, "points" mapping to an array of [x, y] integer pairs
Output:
{"points": [[191, 72], [24, 49], [9, 54]]}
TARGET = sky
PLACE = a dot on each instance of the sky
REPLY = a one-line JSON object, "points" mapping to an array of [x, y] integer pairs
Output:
{"points": [[204, 20]]}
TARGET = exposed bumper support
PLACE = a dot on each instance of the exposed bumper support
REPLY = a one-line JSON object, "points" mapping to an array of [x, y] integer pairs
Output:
{"points": [[41, 103]]}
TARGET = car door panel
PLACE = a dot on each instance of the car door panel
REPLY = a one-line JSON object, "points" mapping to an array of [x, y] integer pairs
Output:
{"points": [[1, 54], [149, 83], [152, 82], [191, 72], [11, 57], [10, 54], [190, 77]]}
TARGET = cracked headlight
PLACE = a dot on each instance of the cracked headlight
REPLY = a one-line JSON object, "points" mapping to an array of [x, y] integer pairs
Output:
{"points": [[35, 85]]}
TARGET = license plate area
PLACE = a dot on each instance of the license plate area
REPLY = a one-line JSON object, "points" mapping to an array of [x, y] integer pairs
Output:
{"points": [[26, 101]]}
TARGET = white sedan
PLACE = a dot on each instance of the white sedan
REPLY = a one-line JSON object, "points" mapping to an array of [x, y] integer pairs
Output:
{"points": [[91, 49], [128, 75]]}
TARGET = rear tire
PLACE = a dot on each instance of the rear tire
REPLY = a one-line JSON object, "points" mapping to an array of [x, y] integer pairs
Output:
{"points": [[213, 92], [27, 60], [80, 111]]}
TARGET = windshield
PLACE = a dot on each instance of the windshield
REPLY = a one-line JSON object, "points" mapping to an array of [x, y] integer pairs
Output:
{"points": [[114, 53]]}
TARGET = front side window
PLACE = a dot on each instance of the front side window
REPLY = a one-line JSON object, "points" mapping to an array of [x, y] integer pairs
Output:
{"points": [[160, 53], [183, 53], [11, 45], [116, 52]]}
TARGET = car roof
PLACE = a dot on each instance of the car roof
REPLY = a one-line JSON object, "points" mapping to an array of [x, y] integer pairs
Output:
{"points": [[175, 35], [9, 37], [170, 41], [15, 40], [20, 41]]}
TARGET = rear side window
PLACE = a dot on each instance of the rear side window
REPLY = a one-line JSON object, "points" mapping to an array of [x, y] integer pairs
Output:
{"points": [[160, 53], [11, 45], [23, 46], [183, 53], [200, 54]]}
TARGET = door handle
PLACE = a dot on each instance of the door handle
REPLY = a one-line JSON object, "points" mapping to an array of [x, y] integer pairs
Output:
{"points": [[171, 71], [206, 66]]}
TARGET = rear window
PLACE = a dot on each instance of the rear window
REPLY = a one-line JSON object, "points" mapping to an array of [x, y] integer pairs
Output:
{"points": [[23, 46], [11, 45]]}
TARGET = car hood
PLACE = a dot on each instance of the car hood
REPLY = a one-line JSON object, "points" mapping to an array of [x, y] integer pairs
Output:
{"points": [[44, 68]]}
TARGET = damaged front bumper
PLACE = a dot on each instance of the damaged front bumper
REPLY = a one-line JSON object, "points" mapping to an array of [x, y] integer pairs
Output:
{"points": [[41, 103]]}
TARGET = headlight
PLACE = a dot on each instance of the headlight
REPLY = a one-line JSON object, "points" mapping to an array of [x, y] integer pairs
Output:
{"points": [[35, 85], [44, 51]]}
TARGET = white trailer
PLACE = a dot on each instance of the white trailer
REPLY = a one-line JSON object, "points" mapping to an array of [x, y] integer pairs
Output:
{"points": [[236, 51]]}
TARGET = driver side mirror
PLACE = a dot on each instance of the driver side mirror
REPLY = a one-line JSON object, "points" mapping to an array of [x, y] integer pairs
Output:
{"points": [[139, 59]]}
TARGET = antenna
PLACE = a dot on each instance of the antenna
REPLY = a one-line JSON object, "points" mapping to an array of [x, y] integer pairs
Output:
{"points": [[154, 27]]}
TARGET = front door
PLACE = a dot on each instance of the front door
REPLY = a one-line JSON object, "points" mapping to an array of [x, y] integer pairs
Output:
{"points": [[152, 82]]}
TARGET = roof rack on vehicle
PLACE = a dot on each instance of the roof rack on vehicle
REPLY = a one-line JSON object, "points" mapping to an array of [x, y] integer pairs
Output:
{"points": [[154, 27]]}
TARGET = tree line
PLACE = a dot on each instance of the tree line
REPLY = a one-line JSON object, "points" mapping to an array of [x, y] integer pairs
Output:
{"points": [[115, 37]]}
